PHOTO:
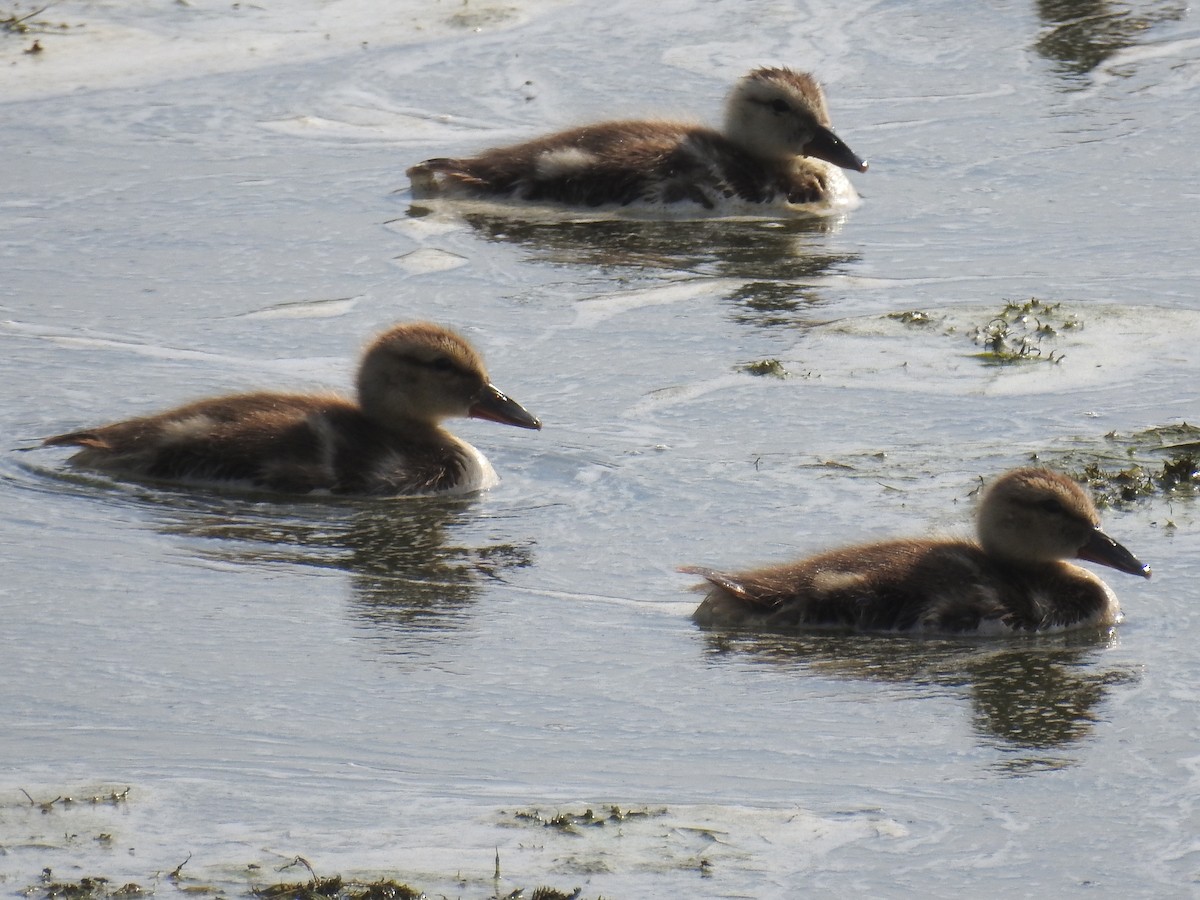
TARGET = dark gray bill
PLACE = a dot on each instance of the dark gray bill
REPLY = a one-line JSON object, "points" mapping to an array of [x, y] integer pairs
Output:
{"points": [[1102, 549], [495, 406], [828, 146]]}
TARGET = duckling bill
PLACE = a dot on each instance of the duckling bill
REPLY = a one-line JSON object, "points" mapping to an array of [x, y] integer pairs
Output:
{"points": [[1014, 579], [776, 150], [388, 441]]}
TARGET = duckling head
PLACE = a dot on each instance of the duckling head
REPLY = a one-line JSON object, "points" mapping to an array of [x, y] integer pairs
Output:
{"points": [[424, 373], [778, 112], [1033, 515]]}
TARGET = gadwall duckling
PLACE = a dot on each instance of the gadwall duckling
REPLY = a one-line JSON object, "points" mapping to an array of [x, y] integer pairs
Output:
{"points": [[388, 442], [1013, 580], [775, 151]]}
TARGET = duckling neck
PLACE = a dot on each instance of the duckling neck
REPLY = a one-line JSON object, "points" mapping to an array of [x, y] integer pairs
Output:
{"points": [[478, 474], [410, 428], [469, 469], [1059, 595], [1010, 547], [456, 465], [742, 143]]}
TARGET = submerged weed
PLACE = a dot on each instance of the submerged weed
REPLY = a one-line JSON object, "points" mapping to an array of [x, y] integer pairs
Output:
{"points": [[1180, 438], [772, 367], [93, 887], [335, 888], [112, 798], [570, 822], [1177, 475], [1016, 334], [29, 23], [911, 317], [549, 893]]}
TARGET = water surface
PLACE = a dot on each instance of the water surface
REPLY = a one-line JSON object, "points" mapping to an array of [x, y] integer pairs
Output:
{"points": [[381, 687]]}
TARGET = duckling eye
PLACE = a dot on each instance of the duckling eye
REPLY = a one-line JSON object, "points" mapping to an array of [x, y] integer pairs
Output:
{"points": [[1052, 506], [780, 106], [441, 364]]}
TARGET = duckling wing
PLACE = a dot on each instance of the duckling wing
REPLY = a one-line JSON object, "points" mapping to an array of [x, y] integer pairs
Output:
{"points": [[269, 440], [739, 586], [610, 163], [448, 177], [95, 439]]}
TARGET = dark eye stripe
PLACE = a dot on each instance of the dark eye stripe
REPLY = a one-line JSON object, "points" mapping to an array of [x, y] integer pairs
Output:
{"points": [[444, 365], [1057, 508], [436, 364]]}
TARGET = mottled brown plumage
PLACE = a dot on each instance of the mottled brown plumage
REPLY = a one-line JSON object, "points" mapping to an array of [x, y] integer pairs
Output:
{"points": [[1014, 579], [775, 151], [388, 442]]}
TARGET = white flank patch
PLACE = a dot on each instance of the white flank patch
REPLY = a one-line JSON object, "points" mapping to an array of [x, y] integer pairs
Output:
{"points": [[827, 582], [184, 430], [554, 163]]}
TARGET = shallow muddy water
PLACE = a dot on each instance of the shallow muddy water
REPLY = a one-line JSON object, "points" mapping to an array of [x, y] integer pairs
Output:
{"points": [[408, 689]]}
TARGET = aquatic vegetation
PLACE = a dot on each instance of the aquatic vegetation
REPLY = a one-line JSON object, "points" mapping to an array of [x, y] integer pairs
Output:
{"points": [[1178, 438], [772, 367], [112, 798], [336, 888], [571, 822], [83, 889], [1163, 461], [28, 23], [911, 317], [1017, 332], [314, 887], [1178, 475]]}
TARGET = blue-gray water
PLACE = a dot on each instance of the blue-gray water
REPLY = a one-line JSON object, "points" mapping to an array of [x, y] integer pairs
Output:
{"points": [[379, 686]]}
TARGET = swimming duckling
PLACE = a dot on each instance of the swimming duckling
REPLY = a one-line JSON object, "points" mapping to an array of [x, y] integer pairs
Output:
{"points": [[775, 151], [388, 442], [1013, 580]]}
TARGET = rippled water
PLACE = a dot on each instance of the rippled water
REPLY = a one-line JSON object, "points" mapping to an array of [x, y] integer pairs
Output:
{"points": [[210, 198]]}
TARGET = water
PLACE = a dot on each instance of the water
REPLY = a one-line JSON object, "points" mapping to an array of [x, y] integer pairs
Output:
{"points": [[381, 687]]}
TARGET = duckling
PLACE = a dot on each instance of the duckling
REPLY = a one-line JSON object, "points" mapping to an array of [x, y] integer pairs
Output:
{"points": [[775, 152], [1014, 580], [389, 442]]}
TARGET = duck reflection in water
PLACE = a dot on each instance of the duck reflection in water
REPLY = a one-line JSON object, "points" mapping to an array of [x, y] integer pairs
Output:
{"points": [[1015, 579], [770, 272], [1031, 698], [1082, 35], [415, 567]]}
